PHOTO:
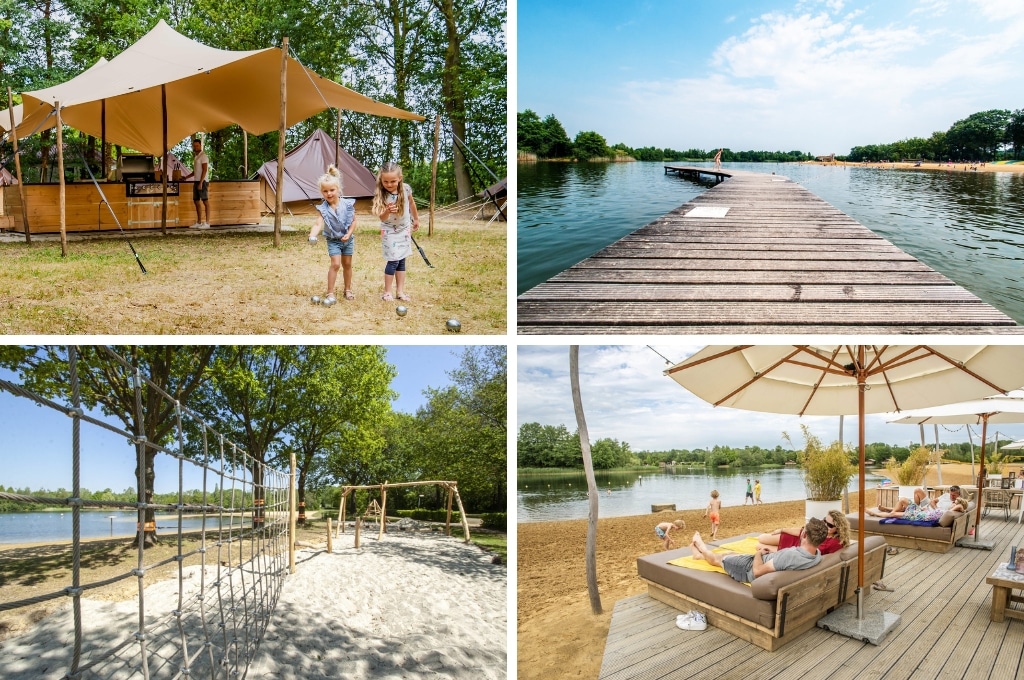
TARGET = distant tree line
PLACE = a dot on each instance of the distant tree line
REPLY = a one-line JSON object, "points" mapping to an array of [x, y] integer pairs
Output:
{"points": [[546, 138], [984, 136], [553, 446]]}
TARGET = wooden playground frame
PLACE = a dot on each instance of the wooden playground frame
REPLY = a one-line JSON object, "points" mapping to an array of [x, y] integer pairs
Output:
{"points": [[451, 487]]}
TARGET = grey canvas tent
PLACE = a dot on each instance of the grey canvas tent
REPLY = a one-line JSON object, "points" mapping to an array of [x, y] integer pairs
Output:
{"points": [[303, 166]]}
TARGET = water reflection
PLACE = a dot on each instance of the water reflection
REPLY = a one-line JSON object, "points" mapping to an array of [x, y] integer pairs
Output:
{"points": [[559, 496]]}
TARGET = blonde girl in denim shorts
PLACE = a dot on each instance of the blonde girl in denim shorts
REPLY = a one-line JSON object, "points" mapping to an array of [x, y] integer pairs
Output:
{"points": [[337, 220]]}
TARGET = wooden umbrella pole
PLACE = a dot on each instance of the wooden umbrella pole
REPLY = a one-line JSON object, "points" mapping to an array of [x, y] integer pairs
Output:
{"points": [[433, 174], [62, 201], [17, 167], [279, 200], [245, 154]]}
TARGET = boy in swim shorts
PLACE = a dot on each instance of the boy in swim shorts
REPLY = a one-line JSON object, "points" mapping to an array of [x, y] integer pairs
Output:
{"points": [[712, 512]]}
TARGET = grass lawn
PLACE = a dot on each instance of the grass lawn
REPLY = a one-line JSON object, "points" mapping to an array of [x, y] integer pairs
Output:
{"points": [[217, 282]]}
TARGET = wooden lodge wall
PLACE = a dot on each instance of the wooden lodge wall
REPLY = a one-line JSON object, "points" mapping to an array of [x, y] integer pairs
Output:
{"points": [[231, 202]]}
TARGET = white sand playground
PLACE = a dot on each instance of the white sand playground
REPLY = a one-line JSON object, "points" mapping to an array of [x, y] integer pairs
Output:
{"points": [[404, 607], [408, 606]]}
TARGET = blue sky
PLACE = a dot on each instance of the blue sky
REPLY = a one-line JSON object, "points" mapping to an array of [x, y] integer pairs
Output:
{"points": [[35, 447], [627, 397], [814, 75]]}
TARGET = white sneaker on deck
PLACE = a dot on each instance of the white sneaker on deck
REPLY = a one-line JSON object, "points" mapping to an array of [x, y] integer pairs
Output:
{"points": [[204, 225], [692, 621], [197, 225]]}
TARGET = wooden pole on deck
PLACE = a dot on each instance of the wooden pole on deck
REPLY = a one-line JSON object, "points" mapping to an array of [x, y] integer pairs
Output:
{"points": [[17, 167], [245, 154], [433, 173], [279, 200], [62, 201], [163, 174]]}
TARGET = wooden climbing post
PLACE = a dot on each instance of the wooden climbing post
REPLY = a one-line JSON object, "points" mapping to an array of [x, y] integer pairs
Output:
{"points": [[359, 522], [330, 544], [383, 509]]}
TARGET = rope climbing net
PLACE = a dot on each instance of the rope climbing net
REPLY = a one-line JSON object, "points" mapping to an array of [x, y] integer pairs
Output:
{"points": [[229, 573]]}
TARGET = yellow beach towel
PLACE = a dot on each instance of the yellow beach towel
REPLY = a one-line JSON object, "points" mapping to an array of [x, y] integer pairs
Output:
{"points": [[746, 546], [701, 565]]}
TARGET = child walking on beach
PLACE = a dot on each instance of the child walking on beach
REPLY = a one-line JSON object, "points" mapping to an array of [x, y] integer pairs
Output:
{"points": [[337, 220], [712, 512], [665, 528], [393, 204]]}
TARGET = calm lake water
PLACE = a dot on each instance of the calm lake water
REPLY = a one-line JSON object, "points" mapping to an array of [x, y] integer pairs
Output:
{"points": [[968, 226], [547, 498], [35, 527]]}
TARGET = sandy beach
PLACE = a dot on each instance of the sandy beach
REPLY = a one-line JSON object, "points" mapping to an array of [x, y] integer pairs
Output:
{"points": [[409, 606], [558, 636], [932, 166]]}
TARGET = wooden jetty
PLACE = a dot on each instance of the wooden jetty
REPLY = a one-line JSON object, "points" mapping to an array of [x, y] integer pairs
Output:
{"points": [[945, 630], [697, 173], [760, 254]]}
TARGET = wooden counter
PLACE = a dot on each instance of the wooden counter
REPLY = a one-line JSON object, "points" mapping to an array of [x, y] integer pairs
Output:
{"points": [[231, 202]]}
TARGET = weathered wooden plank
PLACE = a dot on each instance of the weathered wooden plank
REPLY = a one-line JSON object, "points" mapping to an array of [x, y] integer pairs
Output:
{"points": [[595, 274], [777, 264], [698, 312], [731, 292], [751, 329]]}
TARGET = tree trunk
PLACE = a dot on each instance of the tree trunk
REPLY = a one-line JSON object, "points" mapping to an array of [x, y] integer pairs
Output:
{"points": [[588, 465], [453, 97]]}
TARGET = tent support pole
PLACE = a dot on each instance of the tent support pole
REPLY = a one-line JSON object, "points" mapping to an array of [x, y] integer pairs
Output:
{"points": [[337, 137], [103, 137], [433, 174], [164, 165], [63, 188], [279, 201], [245, 153], [17, 167]]}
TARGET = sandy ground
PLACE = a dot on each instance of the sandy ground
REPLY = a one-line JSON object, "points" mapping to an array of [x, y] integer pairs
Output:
{"points": [[928, 165], [225, 281], [416, 606], [558, 636]]}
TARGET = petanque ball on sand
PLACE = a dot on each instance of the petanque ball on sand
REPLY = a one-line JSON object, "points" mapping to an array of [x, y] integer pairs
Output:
{"points": [[315, 299], [401, 310], [453, 325]]}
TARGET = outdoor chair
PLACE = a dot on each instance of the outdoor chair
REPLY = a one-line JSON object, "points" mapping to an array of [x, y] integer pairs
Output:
{"points": [[996, 499]]}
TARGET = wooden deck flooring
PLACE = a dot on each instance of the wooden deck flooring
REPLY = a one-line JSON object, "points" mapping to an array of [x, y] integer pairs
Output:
{"points": [[781, 260], [944, 632]]}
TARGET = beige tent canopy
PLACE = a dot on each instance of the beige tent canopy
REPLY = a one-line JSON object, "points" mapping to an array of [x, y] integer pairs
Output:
{"points": [[205, 89]]}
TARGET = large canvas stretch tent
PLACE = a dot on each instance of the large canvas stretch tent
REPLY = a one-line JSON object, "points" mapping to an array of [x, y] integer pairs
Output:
{"points": [[166, 76], [303, 167]]}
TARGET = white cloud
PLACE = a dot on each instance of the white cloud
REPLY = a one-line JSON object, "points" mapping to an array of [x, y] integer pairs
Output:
{"points": [[825, 82]]}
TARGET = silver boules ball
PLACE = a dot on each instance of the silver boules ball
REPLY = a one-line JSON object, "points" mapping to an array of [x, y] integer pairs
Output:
{"points": [[401, 310], [453, 325], [315, 299], [328, 302]]}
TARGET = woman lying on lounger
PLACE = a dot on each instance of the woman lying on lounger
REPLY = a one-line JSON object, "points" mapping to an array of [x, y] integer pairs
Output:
{"points": [[788, 537], [920, 510]]}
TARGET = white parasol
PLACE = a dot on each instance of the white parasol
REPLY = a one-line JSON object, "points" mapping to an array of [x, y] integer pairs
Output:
{"points": [[848, 379]]}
